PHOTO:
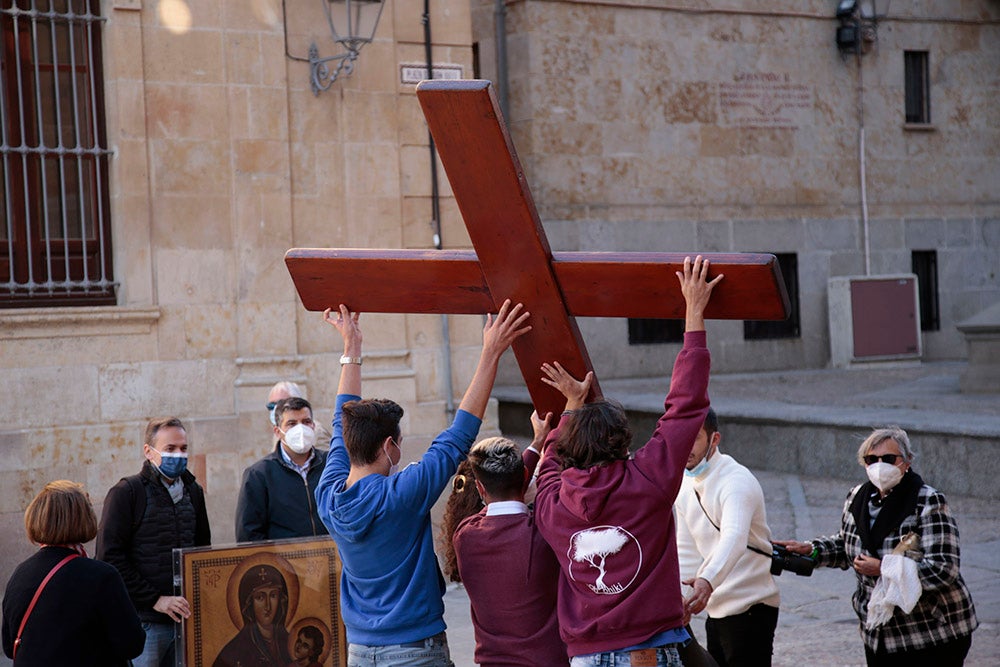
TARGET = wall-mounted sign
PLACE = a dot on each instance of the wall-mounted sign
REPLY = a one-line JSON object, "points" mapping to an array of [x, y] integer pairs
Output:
{"points": [[416, 73], [765, 99]]}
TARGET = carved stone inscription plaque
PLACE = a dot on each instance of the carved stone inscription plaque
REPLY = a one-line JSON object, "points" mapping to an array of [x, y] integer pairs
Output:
{"points": [[765, 99]]}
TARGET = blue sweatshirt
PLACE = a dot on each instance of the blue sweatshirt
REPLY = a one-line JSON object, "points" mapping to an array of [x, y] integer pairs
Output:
{"points": [[391, 588]]}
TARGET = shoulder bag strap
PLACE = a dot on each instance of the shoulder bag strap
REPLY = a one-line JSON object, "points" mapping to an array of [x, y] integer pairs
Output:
{"points": [[716, 526], [31, 605]]}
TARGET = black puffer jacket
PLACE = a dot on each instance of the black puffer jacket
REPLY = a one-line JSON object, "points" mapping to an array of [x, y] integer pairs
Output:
{"points": [[141, 548]]}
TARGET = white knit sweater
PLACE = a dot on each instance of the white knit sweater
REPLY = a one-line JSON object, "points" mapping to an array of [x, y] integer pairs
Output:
{"points": [[733, 498]]}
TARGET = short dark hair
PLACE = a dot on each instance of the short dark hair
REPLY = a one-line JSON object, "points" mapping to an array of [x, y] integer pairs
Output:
{"points": [[497, 464], [291, 403], [711, 423], [316, 636], [597, 433], [61, 513], [156, 425], [367, 423]]}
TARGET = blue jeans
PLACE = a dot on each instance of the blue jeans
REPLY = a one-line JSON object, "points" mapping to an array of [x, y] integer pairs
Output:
{"points": [[430, 652], [159, 640], [666, 656]]}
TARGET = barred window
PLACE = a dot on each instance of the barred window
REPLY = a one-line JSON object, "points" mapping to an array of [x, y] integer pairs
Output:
{"points": [[55, 234]]}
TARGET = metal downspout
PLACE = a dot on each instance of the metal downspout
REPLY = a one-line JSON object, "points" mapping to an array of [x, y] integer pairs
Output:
{"points": [[500, 15], [865, 226], [449, 391]]}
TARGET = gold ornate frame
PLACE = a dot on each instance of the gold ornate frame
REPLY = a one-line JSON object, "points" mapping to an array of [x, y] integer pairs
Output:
{"points": [[210, 580]]}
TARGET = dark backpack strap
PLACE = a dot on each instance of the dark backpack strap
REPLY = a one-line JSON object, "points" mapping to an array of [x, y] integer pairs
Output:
{"points": [[138, 496]]}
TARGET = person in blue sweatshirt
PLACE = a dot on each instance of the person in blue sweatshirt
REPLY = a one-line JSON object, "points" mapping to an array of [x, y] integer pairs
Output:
{"points": [[391, 588]]}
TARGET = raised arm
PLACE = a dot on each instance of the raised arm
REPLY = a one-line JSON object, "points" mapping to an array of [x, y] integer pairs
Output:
{"points": [[696, 291], [574, 390], [338, 464], [498, 334], [347, 324], [663, 457], [541, 426]]}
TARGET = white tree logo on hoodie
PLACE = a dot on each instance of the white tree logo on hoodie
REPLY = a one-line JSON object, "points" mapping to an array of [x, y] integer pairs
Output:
{"points": [[593, 547]]}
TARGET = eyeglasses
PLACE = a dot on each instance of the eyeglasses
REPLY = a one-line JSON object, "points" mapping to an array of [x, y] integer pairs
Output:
{"points": [[888, 458], [270, 405]]}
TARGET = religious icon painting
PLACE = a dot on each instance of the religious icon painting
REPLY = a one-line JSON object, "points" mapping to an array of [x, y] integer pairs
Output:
{"points": [[272, 604]]}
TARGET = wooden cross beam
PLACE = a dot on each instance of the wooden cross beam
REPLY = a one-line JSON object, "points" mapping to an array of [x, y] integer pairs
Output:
{"points": [[512, 258]]}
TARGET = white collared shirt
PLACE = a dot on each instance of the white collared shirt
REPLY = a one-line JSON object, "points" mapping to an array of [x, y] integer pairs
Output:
{"points": [[504, 507], [303, 469]]}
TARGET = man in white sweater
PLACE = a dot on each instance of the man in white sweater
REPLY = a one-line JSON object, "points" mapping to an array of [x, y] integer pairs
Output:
{"points": [[719, 514]]}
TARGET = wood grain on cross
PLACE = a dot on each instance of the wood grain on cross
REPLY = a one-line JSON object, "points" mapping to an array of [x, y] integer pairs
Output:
{"points": [[512, 258]]}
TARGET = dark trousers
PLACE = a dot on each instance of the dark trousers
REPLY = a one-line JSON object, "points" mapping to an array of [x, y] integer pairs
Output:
{"points": [[743, 640], [949, 654]]}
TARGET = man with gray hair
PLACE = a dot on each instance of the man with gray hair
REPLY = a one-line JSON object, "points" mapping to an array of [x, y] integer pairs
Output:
{"points": [[288, 389], [280, 390], [509, 571], [276, 498]]}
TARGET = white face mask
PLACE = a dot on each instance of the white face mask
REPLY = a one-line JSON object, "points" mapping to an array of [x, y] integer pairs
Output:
{"points": [[300, 438], [393, 467], [884, 475]]}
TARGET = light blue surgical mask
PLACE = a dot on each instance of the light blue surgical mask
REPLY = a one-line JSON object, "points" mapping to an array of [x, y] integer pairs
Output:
{"points": [[698, 469]]}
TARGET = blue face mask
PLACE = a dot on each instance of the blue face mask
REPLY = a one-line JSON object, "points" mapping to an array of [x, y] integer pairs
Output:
{"points": [[698, 469], [172, 466], [270, 413]]}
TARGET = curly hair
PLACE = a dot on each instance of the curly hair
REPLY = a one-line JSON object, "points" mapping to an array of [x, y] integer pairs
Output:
{"points": [[596, 434], [463, 502], [313, 634]]}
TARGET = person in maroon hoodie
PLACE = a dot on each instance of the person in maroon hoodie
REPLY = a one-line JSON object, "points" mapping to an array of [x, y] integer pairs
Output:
{"points": [[607, 516]]}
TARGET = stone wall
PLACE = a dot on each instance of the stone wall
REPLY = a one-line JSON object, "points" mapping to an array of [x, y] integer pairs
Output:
{"points": [[224, 159], [728, 126]]}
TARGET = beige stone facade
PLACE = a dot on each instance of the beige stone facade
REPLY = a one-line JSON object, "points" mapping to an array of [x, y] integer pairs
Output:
{"points": [[627, 117], [224, 159], [727, 125]]}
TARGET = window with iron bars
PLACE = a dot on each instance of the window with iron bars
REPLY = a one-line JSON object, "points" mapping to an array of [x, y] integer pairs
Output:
{"points": [[55, 233]]}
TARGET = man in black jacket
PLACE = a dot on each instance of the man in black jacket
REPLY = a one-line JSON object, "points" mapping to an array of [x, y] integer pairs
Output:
{"points": [[277, 495], [147, 516]]}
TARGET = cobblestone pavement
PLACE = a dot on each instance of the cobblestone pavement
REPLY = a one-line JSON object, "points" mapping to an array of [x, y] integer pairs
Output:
{"points": [[817, 625]]}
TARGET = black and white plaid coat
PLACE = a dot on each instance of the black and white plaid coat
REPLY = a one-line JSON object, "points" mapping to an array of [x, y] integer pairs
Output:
{"points": [[944, 611]]}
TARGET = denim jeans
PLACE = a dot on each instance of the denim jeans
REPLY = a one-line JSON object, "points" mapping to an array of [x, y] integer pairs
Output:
{"points": [[665, 657], [159, 641], [430, 652]]}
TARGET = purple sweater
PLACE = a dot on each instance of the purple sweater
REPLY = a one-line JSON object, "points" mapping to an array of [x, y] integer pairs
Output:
{"points": [[510, 574], [611, 526]]}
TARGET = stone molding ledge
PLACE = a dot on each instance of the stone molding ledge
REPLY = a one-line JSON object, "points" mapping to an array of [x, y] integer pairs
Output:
{"points": [[76, 322], [386, 364], [265, 371]]}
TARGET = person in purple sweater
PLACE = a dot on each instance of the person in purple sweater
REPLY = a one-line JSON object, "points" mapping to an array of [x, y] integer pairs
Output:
{"points": [[508, 570], [607, 516]]}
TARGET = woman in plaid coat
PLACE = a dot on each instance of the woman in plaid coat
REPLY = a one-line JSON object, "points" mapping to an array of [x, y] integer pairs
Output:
{"points": [[878, 514]]}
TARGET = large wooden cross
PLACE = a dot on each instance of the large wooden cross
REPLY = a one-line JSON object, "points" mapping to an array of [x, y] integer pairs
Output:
{"points": [[512, 258]]}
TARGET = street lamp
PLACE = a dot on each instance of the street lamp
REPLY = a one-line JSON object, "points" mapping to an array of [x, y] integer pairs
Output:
{"points": [[352, 25], [858, 27]]}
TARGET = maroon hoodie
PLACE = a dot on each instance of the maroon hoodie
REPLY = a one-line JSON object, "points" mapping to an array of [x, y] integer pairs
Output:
{"points": [[612, 529]]}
